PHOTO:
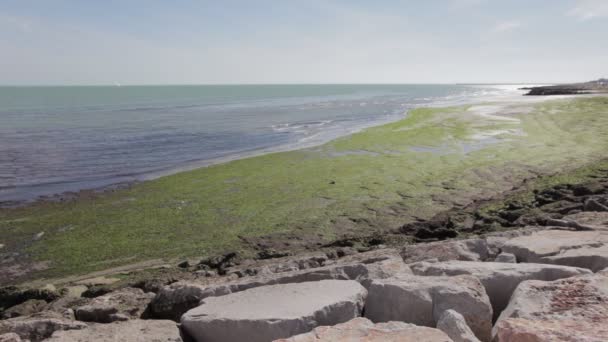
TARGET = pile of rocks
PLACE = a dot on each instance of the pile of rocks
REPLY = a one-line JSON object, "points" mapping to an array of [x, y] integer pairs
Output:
{"points": [[537, 283]]}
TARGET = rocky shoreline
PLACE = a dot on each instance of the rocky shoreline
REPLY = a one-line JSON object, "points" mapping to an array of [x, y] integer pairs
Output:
{"points": [[531, 268], [593, 87]]}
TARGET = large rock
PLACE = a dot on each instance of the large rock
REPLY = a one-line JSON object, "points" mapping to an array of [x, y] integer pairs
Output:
{"points": [[551, 242], [272, 312], [593, 258], [362, 329], [587, 249], [175, 299], [455, 326], [421, 301], [133, 331], [10, 337], [39, 326], [26, 308], [572, 309], [499, 279], [594, 220], [120, 305], [471, 249]]}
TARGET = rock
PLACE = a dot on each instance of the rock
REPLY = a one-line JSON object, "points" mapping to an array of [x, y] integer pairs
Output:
{"points": [[10, 337], [546, 243], [175, 299], [271, 254], [454, 325], [133, 331], [593, 258], [471, 249], [593, 205], [362, 329], [26, 308], [499, 279], [12, 295], [593, 219], [38, 327], [572, 309], [506, 257], [567, 224], [421, 300], [115, 306], [184, 264], [272, 312], [96, 291], [588, 189], [74, 291], [97, 281], [283, 264], [219, 263]]}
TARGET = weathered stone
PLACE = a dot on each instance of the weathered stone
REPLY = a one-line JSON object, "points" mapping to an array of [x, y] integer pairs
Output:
{"points": [[593, 205], [499, 279], [133, 331], [26, 308], [10, 337], [592, 219], [455, 326], [12, 295], [506, 258], [97, 281], [364, 330], [572, 309], [115, 306], [39, 326], [593, 258], [471, 249], [272, 312], [421, 300], [546, 243], [74, 291], [173, 300]]}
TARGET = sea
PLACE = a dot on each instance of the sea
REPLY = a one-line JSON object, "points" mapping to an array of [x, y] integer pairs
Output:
{"points": [[57, 139]]}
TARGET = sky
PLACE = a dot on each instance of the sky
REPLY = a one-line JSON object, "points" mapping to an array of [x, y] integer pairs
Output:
{"points": [[81, 42]]}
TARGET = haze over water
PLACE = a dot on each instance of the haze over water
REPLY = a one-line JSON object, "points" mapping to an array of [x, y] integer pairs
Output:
{"points": [[57, 139]]}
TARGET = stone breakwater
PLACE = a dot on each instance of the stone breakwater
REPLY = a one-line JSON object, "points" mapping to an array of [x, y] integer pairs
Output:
{"points": [[544, 279]]}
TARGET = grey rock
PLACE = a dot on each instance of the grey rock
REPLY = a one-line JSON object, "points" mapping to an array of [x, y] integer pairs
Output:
{"points": [[499, 279], [175, 299], [572, 309], [471, 249], [115, 306], [39, 326], [133, 331], [362, 329], [272, 312], [10, 337], [421, 300], [593, 205], [455, 326], [506, 258]]}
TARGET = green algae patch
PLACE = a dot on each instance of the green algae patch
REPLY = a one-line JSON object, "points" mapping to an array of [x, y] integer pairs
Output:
{"points": [[372, 181]]}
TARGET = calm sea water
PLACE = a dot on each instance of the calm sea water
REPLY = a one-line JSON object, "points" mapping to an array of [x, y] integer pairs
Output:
{"points": [[57, 139]]}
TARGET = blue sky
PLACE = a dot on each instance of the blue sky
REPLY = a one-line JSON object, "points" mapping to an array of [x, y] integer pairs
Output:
{"points": [[308, 41]]}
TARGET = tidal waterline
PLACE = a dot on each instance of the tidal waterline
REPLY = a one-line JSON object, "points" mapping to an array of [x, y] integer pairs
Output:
{"points": [[57, 139]]}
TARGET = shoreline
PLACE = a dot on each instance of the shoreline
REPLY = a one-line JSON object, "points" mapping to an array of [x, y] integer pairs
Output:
{"points": [[435, 193], [85, 191]]}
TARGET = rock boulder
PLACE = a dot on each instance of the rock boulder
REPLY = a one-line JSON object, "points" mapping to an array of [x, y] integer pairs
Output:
{"points": [[572, 309], [361, 329], [133, 331], [421, 301], [271, 312], [499, 279]]}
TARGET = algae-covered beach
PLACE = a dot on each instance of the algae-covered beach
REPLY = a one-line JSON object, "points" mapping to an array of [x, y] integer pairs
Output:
{"points": [[373, 181]]}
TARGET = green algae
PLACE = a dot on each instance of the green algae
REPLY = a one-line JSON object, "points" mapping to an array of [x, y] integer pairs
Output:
{"points": [[374, 180]]}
